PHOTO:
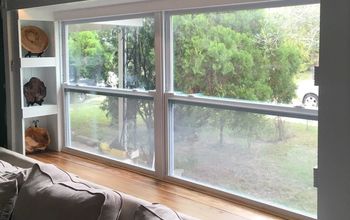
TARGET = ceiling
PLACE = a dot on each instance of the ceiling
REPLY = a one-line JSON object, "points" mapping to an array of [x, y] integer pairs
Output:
{"points": [[85, 4], [91, 4]]}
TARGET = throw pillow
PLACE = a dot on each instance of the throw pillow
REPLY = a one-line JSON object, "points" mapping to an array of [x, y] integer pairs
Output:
{"points": [[8, 195], [155, 212], [11, 172], [7, 166], [50, 193], [11, 179]]}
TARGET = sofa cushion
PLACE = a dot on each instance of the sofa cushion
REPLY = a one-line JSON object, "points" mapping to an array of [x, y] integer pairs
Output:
{"points": [[155, 212], [50, 193], [16, 158]]}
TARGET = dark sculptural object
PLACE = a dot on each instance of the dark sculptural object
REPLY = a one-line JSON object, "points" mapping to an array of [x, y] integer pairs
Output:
{"points": [[34, 91]]}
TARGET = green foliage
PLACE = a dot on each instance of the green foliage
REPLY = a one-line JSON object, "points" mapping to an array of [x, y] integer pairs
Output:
{"points": [[109, 42], [285, 63], [85, 53], [300, 24], [217, 55], [140, 62]]}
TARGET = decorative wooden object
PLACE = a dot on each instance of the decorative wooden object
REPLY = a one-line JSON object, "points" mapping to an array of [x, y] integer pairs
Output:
{"points": [[34, 91], [36, 138], [34, 40]]}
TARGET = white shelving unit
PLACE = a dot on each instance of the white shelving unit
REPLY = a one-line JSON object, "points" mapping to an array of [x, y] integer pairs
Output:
{"points": [[47, 69]]}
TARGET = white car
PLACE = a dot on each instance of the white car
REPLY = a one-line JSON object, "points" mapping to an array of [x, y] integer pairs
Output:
{"points": [[307, 93]]}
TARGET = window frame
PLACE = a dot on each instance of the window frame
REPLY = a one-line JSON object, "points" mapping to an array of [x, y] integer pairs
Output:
{"points": [[164, 95], [118, 92], [282, 110]]}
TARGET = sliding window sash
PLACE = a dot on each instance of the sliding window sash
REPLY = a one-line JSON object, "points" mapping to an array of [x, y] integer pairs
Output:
{"points": [[246, 106]]}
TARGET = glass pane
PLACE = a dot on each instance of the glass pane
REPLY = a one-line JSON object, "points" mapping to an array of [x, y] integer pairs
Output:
{"points": [[265, 55], [266, 158], [116, 53], [118, 128]]}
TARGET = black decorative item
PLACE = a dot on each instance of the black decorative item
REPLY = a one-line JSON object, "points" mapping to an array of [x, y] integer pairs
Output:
{"points": [[34, 91], [29, 54]]}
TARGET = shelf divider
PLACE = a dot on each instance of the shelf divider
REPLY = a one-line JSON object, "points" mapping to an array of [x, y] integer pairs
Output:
{"points": [[38, 62], [37, 111]]}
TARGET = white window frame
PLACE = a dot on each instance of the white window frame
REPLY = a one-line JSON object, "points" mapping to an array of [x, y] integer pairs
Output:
{"points": [[116, 92], [280, 110], [164, 94]]}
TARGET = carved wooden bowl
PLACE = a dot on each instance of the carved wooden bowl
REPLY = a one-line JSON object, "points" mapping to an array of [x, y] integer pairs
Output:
{"points": [[34, 39], [34, 91], [36, 139]]}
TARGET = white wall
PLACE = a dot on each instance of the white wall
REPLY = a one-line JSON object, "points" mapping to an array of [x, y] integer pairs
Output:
{"points": [[334, 111]]}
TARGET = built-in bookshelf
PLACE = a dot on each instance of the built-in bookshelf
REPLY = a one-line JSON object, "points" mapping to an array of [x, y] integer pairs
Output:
{"points": [[46, 68]]}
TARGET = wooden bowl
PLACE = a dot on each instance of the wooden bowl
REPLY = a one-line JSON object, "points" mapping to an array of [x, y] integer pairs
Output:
{"points": [[34, 39], [36, 138]]}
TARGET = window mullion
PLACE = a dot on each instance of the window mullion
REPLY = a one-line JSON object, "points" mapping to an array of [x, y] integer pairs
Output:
{"points": [[159, 106]]}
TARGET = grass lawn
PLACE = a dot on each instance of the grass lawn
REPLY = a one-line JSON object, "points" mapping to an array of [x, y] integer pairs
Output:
{"points": [[275, 171], [89, 120]]}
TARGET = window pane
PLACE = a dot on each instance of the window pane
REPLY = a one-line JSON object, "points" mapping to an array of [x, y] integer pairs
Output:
{"points": [[266, 158], [118, 128], [116, 53], [265, 55]]}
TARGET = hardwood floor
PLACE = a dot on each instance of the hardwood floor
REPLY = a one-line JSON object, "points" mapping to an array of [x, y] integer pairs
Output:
{"points": [[181, 199]]}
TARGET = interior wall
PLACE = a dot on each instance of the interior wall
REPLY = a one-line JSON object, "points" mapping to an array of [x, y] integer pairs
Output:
{"points": [[334, 111], [17, 4], [3, 133]]}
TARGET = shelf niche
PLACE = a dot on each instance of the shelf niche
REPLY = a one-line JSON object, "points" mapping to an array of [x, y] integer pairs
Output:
{"points": [[48, 122], [48, 76]]}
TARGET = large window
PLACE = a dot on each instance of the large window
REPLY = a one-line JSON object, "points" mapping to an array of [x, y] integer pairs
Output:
{"points": [[243, 114], [223, 100], [110, 69]]}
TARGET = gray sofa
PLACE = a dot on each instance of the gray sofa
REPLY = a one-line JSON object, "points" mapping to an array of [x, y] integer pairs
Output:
{"points": [[130, 206]]}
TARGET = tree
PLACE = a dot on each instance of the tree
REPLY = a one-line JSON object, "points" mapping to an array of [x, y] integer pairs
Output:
{"points": [[234, 55], [85, 54], [139, 73], [94, 53], [140, 65], [140, 62], [302, 25]]}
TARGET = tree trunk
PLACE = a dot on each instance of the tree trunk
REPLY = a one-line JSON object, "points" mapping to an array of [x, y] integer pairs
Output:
{"points": [[222, 125], [280, 129]]}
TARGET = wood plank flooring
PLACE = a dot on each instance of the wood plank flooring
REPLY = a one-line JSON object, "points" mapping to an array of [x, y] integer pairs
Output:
{"points": [[181, 199]]}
